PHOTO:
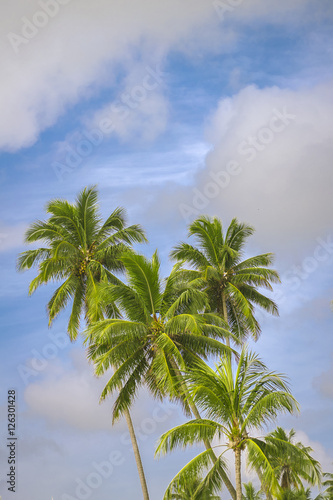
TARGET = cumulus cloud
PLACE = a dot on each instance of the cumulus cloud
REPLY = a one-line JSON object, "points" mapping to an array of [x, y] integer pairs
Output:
{"points": [[245, 11], [70, 396], [319, 452], [270, 164], [55, 52], [46, 69], [140, 110]]}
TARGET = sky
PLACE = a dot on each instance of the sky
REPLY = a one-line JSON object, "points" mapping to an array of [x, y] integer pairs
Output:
{"points": [[173, 109]]}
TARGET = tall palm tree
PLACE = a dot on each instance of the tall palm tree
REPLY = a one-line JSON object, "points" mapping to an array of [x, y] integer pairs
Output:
{"points": [[163, 331], [292, 461], [231, 283], [159, 334], [80, 251], [236, 404]]}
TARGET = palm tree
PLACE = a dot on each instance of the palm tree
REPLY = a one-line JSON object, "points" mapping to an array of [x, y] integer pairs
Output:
{"points": [[292, 462], [235, 404], [299, 494], [80, 251], [159, 334], [231, 283], [163, 331], [192, 490], [251, 493]]}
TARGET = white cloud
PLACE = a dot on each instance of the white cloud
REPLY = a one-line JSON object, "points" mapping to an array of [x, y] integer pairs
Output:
{"points": [[69, 49], [140, 111], [11, 236], [248, 10], [280, 144], [79, 47], [70, 396], [319, 452]]}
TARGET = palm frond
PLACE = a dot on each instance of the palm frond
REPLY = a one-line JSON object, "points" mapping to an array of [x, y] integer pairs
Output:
{"points": [[191, 432], [30, 258], [143, 277], [186, 479]]}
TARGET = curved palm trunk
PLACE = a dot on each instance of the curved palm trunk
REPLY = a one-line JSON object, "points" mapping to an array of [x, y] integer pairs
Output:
{"points": [[137, 455], [134, 444], [207, 444], [238, 473], [225, 316], [136, 452]]}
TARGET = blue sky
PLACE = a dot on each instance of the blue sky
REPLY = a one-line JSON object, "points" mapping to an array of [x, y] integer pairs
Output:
{"points": [[173, 109]]}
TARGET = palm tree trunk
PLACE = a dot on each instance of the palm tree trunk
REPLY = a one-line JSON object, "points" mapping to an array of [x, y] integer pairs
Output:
{"points": [[137, 455], [207, 444], [238, 473], [225, 316]]}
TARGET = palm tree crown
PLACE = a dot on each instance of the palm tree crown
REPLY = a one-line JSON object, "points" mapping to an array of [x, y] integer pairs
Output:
{"points": [[231, 283], [192, 490], [160, 332], [79, 250], [235, 405], [251, 493], [292, 461]]}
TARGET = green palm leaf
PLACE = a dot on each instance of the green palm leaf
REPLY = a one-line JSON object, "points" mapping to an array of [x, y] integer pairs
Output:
{"points": [[162, 318], [80, 251], [236, 401], [230, 283]]}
